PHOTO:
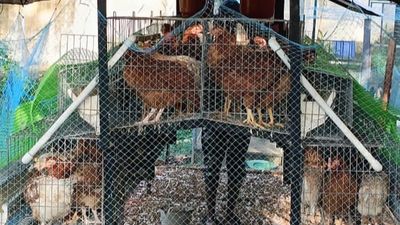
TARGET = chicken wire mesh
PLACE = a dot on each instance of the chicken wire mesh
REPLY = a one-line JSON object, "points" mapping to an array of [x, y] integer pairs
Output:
{"points": [[204, 122]]}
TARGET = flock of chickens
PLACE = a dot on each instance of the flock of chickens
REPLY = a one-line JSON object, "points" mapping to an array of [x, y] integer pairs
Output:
{"points": [[66, 186], [329, 187], [253, 76]]}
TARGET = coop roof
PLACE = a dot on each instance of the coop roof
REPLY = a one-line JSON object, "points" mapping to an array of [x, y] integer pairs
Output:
{"points": [[19, 2], [358, 6]]}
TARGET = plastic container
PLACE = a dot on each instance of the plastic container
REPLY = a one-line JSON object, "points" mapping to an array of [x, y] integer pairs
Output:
{"points": [[260, 9], [262, 165]]}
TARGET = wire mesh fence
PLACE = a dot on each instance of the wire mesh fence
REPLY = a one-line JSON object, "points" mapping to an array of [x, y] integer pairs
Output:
{"points": [[202, 121]]}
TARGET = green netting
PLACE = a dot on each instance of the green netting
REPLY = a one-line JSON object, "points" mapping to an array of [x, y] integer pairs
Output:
{"points": [[43, 104], [367, 106], [29, 118]]}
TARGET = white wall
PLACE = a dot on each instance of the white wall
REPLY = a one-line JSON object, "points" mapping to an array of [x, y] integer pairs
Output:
{"points": [[141, 7], [80, 17], [76, 17]]}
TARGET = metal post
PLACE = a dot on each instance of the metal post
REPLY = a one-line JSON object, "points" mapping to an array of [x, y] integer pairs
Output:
{"points": [[314, 20], [381, 31], [294, 34], [294, 154], [108, 194], [280, 15], [134, 22], [178, 12], [366, 61], [113, 33], [387, 86]]}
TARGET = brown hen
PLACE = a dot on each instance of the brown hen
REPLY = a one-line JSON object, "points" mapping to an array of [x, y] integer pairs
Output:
{"points": [[88, 174], [163, 81], [246, 74], [339, 191], [312, 181]]}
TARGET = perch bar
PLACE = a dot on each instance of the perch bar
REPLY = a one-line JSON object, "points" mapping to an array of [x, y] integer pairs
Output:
{"points": [[82, 96], [342, 126]]}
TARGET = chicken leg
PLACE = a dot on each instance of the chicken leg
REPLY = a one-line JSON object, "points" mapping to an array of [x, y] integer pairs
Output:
{"points": [[250, 120], [271, 122], [227, 106], [158, 116], [260, 118], [96, 217], [85, 217], [147, 118]]}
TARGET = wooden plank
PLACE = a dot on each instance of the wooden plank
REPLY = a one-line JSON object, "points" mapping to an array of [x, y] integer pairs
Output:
{"points": [[387, 86]]}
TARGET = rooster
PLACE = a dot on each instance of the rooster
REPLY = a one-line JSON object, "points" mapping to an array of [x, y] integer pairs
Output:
{"points": [[339, 191], [372, 197], [163, 81]]}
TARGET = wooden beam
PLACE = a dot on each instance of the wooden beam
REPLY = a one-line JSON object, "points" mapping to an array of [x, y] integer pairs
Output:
{"points": [[279, 9], [19, 2], [280, 15], [178, 11], [294, 24], [387, 86]]}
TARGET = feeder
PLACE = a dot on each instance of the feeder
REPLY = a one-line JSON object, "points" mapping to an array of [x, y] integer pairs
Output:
{"points": [[262, 165]]}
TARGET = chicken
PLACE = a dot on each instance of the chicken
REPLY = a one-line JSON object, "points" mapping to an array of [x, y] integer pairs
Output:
{"points": [[163, 81], [55, 165], [88, 176], [88, 190], [312, 180], [49, 198], [339, 191], [372, 197], [275, 93], [194, 32], [86, 151], [189, 45], [282, 85], [170, 42], [243, 74]]}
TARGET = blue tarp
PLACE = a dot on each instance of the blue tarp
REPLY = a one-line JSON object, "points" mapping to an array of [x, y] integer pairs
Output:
{"points": [[345, 50]]}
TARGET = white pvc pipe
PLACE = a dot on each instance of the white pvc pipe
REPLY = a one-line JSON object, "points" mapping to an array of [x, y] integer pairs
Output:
{"points": [[27, 158], [375, 164], [4, 214]]}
